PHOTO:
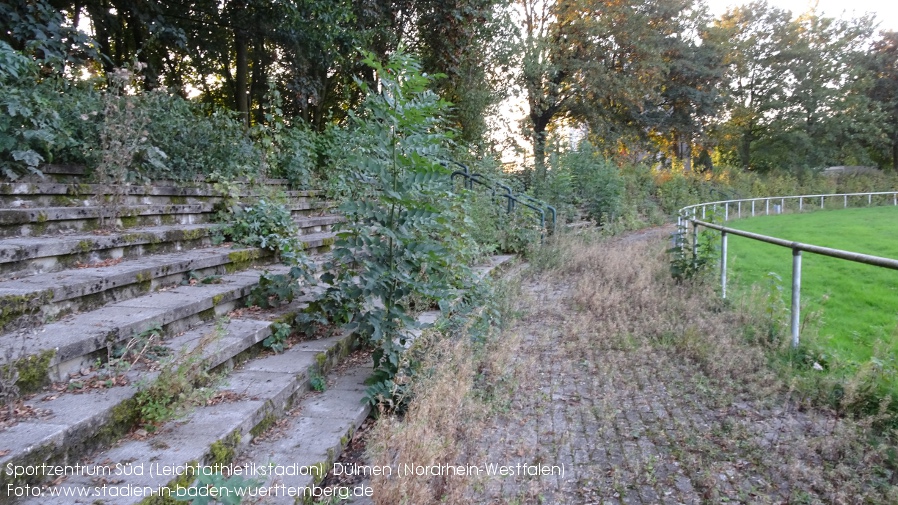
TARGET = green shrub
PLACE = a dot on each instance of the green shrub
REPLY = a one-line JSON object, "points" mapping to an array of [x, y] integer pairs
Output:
{"points": [[196, 139]]}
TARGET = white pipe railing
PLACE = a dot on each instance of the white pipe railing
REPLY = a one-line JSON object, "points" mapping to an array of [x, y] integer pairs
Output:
{"points": [[690, 214]]}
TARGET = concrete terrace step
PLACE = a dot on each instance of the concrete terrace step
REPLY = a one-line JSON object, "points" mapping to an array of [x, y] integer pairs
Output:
{"points": [[27, 222], [55, 194], [58, 294], [29, 255], [48, 194], [33, 255], [265, 388], [74, 423], [48, 220], [76, 341], [317, 224], [314, 438]]}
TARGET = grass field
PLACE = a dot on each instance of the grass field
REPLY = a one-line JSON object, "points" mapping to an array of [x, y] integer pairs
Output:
{"points": [[857, 304]]}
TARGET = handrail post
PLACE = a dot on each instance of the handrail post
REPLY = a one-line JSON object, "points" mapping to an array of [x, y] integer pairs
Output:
{"points": [[694, 244], [752, 208], [796, 294], [723, 264], [767, 206], [726, 211]]}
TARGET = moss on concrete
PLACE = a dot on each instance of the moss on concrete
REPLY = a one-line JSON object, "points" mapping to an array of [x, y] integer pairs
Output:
{"points": [[34, 371], [130, 221], [14, 306], [124, 416], [263, 425], [223, 451]]}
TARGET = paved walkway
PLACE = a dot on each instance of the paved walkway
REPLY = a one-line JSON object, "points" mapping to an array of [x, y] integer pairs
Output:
{"points": [[617, 386], [635, 420]]}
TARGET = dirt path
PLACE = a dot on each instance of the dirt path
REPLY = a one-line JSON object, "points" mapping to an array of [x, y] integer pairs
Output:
{"points": [[620, 387]]}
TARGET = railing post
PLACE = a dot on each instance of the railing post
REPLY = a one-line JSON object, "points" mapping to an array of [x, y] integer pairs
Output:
{"points": [[821, 202], [694, 243], [752, 208], [739, 215], [796, 294], [726, 211], [800, 204], [846, 201], [703, 212], [767, 206], [723, 264], [869, 199]]}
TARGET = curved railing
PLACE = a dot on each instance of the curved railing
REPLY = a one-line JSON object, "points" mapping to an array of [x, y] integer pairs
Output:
{"points": [[691, 214], [512, 199]]}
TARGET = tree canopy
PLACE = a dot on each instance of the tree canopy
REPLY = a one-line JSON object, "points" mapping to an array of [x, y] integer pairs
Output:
{"points": [[759, 88]]}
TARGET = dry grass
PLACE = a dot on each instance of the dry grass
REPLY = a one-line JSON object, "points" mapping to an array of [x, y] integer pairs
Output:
{"points": [[644, 389]]}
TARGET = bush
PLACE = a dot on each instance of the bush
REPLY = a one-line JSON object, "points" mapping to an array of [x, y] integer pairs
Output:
{"points": [[196, 140]]}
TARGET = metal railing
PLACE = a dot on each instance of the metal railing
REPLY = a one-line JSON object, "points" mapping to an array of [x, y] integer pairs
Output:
{"points": [[690, 215], [512, 199]]}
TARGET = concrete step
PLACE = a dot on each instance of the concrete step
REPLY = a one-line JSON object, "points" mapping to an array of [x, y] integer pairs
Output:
{"points": [[55, 220], [312, 437], [57, 349], [44, 297], [30, 255], [39, 221], [54, 194], [34, 255], [317, 224], [262, 390]]}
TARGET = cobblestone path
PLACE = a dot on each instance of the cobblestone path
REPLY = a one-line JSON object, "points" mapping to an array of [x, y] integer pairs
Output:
{"points": [[634, 420]]}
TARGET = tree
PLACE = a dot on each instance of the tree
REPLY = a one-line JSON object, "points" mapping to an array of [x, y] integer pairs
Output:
{"points": [[457, 38], [690, 90], [799, 89], [761, 39], [596, 62], [884, 68]]}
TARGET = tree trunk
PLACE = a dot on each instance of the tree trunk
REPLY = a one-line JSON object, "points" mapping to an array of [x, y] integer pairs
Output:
{"points": [[895, 155], [745, 149], [539, 152], [685, 149], [240, 88]]}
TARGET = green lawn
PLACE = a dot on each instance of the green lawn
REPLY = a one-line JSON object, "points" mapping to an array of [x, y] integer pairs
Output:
{"points": [[858, 303]]}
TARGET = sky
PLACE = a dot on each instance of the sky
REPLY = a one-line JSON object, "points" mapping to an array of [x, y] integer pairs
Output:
{"points": [[886, 11]]}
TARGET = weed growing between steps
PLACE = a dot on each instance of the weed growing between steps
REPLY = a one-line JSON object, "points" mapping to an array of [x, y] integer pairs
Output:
{"points": [[181, 382], [403, 241], [268, 224], [459, 383]]}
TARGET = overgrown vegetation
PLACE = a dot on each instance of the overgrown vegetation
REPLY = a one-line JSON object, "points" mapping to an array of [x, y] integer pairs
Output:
{"points": [[394, 247], [182, 381], [608, 353]]}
